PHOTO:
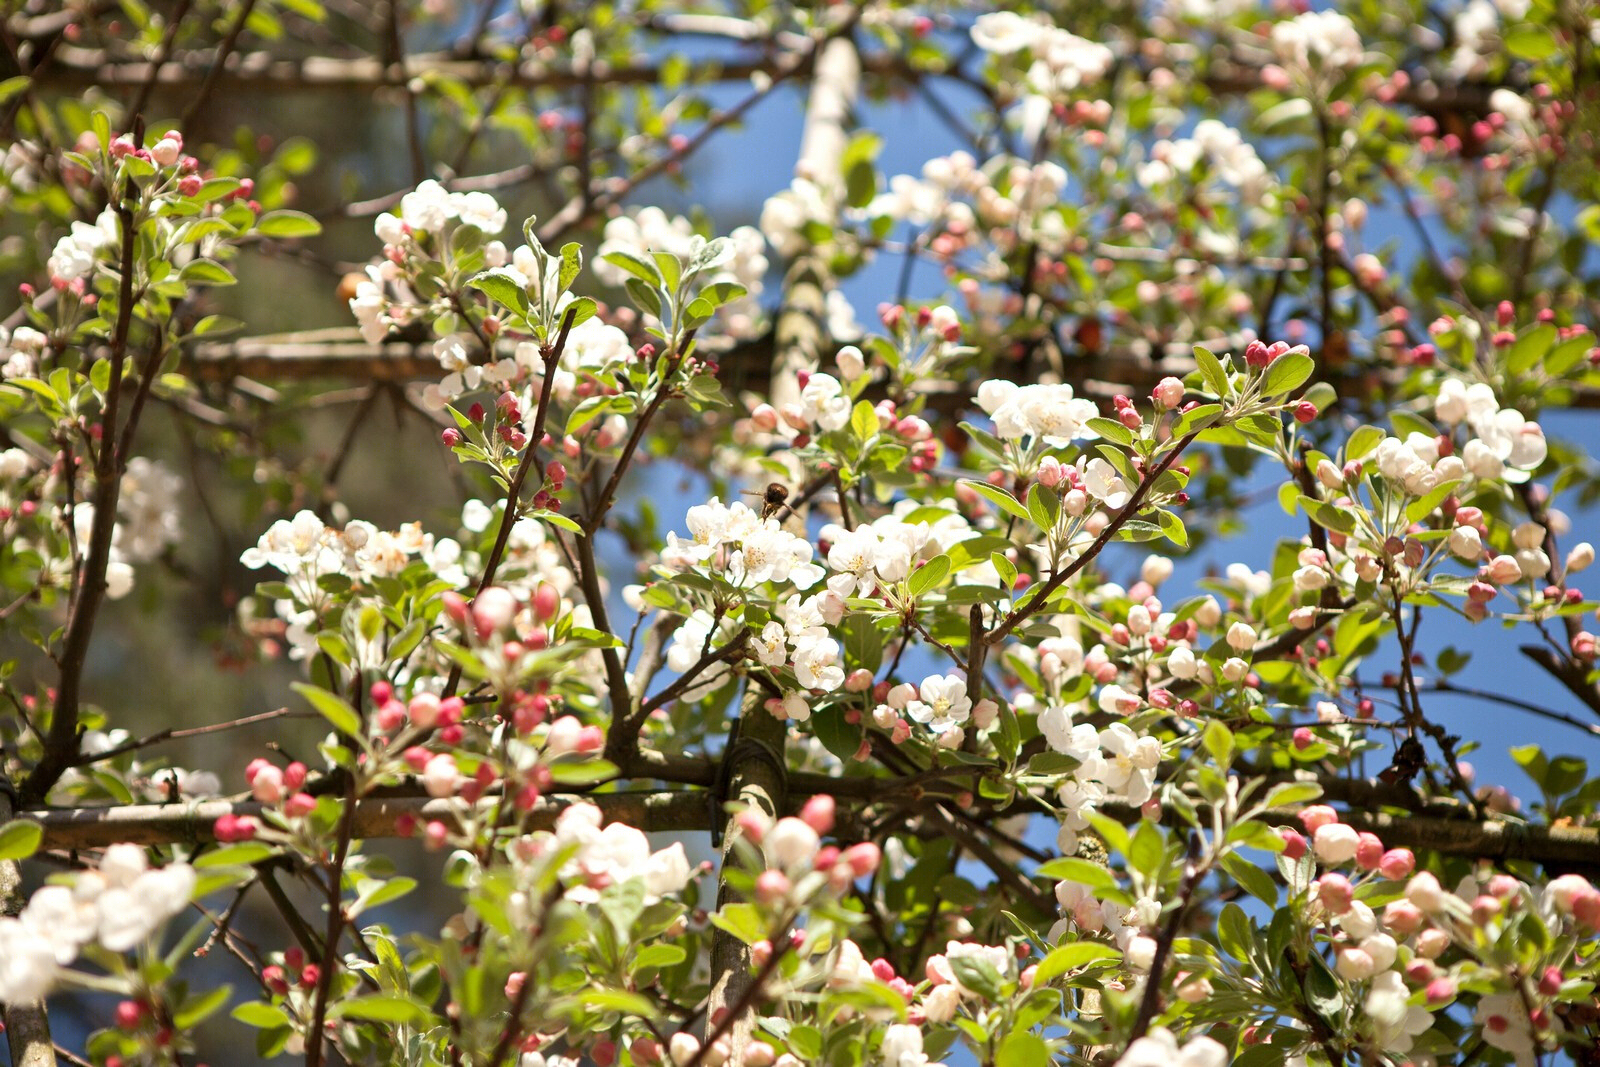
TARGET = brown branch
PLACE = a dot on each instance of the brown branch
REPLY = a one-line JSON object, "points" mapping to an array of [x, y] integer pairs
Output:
{"points": [[148, 83], [585, 205], [1129, 510], [224, 50], [1440, 827], [61, 745], [730, 650], [664, 392], [194, 731], [530, 459]]}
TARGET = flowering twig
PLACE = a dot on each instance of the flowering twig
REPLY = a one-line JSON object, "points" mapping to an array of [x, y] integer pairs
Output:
{"points": [[1020, 615], [602, 503], [734, 646], [781, 942], [88, 593]]}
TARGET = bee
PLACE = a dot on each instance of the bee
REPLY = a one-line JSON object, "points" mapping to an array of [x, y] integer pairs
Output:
{"points": [[773, 498]]}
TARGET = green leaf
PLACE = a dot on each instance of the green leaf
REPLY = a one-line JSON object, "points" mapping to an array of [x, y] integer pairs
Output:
{"points": [[1327, 516], [864, 421], [331, 707], [1044, 507], [571, 264], [1216, 378], [1257, 882], [288, 224], [620, 1001], [1070, 957], [241, 855], [742, 921], [856, 166], [1074, 869], [1197, 417], [376, 893], [978, 975], [13, 86], [659, 956], [1007, 503], [502, 286], [1322, 989], [20, 839], [585, 773], [205, 272], [1111, 430], [383, 1008], [200, 1007], [645, 272], [1292, 793], [1363, 439], [215, 324], [1147, 851], [1235, 933], [1529, 349], [1020, 1049], [1218, 740], [258, 1014], [929, 575], [1287, 373], [1530, 41]]}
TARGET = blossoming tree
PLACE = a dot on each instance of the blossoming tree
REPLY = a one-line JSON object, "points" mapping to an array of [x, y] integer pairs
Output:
{"points": [[986, 781]]}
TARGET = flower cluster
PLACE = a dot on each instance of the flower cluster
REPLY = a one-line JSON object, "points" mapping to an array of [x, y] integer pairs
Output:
{"points": [[649, 230], [119, 906], [1436, 942], [1048, 413], [733, 540]]}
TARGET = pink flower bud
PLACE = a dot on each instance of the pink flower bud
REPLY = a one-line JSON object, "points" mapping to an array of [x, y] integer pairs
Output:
{"points": [[1425, 892], [493, 609], [424, 711], [1317, 816], [863, 858], [1294, 845], [772, 886], [1369, 851], [1168, 392], [753, 824], [1432, 943], [564, 736], [546, 602], [1403, 917], [1397, 863], [455, 606], [1335, 843], [818, 813], [1441, 991], [1335, 893]]}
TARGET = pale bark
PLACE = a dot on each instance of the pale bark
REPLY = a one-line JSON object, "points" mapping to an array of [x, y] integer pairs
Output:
{"points": [[27, 1025]]}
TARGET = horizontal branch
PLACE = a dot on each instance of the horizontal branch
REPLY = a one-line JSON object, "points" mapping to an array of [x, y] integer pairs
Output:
{"points": [[688, 810], [375, 817], [339, 353], [75, 68]]}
